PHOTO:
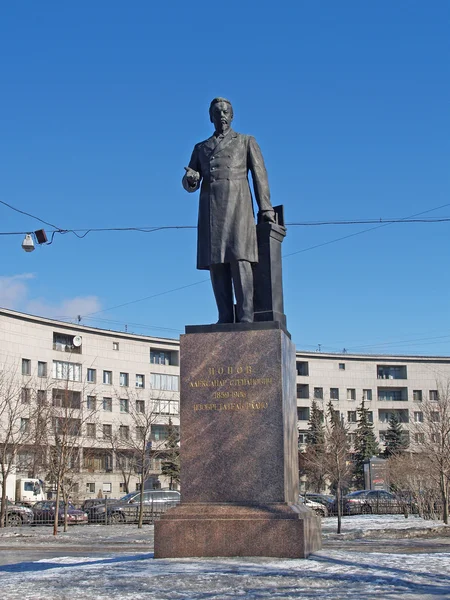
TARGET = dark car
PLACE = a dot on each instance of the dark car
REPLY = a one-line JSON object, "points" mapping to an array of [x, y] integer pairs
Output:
{"points": [[126, 510], [18, 515], [44, 512], [326, 499], [372, 501]]}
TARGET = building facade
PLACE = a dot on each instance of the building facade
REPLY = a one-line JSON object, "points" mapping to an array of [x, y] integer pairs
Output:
{"points": [[387, 384], [109, 385], [110, 379]]}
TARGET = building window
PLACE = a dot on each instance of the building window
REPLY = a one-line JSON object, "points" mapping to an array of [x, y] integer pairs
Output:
{"points": [[107, 377], [24, 425], [351, 438], [436, 438], [26, 395], [107, 404], [303, 413], [26, 366], [417, 395], [370, 416], [434, 396], [124, 432], [159, 432], [434, 417], [91, 375], [66, 426], [122, 487], [160, 357], [140, 381], [341, 366], [165, 407], [318, 393], [124, 405], [351, 394], [302, 390], [140, 406], [124, 379], [42, 369], [66, 370], [351, 416], [91, 403], [67, 343], [107, 432], [140, 433], [107, 487], [419, 438], [418, 417], [390, 395], [115, 345], [160, 381], [41, 397], [302, 437], [389, 372], [90, 488], [66, 398], [302, 369], [90, 430], [367, 395], [334, 393]]}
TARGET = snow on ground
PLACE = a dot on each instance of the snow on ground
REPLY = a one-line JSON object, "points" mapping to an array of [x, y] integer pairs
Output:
{"points": [[327, 574]]}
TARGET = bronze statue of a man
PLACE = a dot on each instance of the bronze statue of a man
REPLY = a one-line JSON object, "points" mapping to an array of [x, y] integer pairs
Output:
{"points": [[226, 243]]}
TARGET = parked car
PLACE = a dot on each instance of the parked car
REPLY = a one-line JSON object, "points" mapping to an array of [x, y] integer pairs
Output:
{"points": [[126, 510], [326, 499], [318, 508], [372, 501], [18, 515], [44, 512]]}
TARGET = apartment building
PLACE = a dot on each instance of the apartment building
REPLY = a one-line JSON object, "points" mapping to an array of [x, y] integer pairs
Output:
{"points": [[112, 375], [115, 374], [387, 384]]}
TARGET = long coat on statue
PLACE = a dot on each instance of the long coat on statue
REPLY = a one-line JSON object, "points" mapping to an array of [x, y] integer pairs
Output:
{"points": [[226, 222]]}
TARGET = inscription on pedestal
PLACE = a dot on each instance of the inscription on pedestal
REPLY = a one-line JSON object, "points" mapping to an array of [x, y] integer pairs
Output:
{"points": [[233, 402]]}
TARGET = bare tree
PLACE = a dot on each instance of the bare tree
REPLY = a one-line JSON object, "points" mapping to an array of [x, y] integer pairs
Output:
{"points": [[67, 421], [15, 418], [337, 463], [432, 440], [135, 438]]}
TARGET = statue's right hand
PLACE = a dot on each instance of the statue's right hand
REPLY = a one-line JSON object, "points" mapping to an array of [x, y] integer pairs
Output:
{"points": [[193, 177]]}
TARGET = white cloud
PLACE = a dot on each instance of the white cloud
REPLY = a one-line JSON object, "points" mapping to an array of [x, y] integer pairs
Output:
{"points": [[69, 308], [15, 295], [14, 290]]}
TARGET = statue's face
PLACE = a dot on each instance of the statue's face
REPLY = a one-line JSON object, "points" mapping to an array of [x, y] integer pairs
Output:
{"points": [[221, 116]]}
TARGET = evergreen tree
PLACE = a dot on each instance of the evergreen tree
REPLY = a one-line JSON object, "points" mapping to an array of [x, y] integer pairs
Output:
{"points": [[396, 441], [312, 459], [316, 429], [171, 465], [366, 444]]}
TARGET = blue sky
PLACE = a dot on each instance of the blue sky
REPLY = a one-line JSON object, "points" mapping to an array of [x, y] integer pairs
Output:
{"points": [[101, 104]]}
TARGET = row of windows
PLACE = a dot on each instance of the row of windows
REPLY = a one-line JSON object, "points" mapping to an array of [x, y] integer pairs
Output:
{"points": [[72, 427], [303, 414], [383, 371], [419, 438], [383, 394], [63, 398], [69, 371], [64, 342]]}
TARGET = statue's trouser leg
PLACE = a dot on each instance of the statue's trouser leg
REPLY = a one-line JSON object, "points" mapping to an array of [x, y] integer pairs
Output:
{"points": [[242, 273], [223, 291]]}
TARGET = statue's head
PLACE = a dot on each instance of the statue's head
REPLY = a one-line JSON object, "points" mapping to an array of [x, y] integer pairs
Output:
{"points": [[221, 114]]}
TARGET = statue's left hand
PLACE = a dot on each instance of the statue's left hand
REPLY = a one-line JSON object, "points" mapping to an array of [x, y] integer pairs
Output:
{"points": [[267, 216]]}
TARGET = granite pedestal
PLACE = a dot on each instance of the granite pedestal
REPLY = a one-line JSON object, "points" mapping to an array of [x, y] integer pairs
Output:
{"points": [[239, 457]]}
